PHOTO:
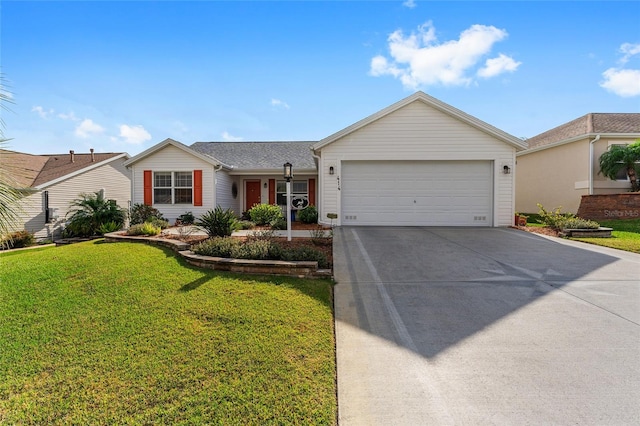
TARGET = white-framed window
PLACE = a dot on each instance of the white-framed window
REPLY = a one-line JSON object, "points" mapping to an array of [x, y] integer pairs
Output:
{"points": [[299, 188], [172, 187]]}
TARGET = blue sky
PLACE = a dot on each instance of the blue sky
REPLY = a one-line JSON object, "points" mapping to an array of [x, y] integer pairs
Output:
{"points": [[123, 76]]}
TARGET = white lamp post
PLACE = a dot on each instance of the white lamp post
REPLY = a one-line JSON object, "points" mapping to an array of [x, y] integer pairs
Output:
{"points": [[288, 174]]}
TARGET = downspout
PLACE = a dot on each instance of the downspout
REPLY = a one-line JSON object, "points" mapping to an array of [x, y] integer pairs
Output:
{"points": [[216, 169], [596, 139], [320, 185]]}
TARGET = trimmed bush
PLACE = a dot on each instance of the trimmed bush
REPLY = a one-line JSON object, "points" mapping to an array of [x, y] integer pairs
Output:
{"points": [[18, 239], [158, 223], [146, 228], [218, 222], [308, 215], [186, 218], [579, 223], [264, 214], [278, 223], [216, 247], [305, 253], [245, 224], [141, 213]]}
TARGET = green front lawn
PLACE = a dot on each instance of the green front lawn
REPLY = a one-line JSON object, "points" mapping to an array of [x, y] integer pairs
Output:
{"points": [[126, 333], [625, 235]]}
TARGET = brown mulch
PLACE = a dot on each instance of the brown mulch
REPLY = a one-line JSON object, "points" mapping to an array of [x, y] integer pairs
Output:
{"points": [[538, 230]]}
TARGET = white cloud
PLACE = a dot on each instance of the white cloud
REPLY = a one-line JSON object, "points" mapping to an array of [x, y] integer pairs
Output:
{"points": [[410, 4], [134, 134], [629, 50], [622, 82], [229, 138], [87, 128], [497, 66], [43, 113], [420, 60], [279, 103], [71, 116]]}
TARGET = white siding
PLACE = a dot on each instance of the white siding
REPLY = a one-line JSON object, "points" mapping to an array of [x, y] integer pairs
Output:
{"points": [[224, 194], [419, 132], [172, 159], [114, 178]]}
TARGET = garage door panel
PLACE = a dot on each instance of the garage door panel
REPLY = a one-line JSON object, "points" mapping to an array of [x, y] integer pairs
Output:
{"points": [[417, 193]]}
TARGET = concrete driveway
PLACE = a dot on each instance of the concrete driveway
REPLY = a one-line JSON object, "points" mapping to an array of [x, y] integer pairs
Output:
{"points": [[484, 326]]}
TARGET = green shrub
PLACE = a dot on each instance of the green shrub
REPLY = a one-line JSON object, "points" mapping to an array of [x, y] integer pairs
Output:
{"points": [[216, 247], [264, 214], [218, 222], [256, 249], [141, 213], [278, 223], [245, 224], [305, 253], [105, 228], [579, 223], [186, 218], [158, 223], [553, 219], [89, 212], [308, 215], [17, 239], [146, 228]]}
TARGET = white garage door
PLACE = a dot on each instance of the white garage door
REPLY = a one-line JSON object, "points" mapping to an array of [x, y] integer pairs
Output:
{"points": [[417, 193]]}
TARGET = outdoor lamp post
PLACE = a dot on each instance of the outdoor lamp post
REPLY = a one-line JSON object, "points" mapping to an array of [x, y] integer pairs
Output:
{"points": [[288, 174]]}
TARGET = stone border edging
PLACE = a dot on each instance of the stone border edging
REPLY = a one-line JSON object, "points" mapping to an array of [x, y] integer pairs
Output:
{"points": [[300, 269]]}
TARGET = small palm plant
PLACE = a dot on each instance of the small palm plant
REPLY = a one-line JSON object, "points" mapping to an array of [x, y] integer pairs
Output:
{"points": [[622, 157], [90, 213], [218, 222]]}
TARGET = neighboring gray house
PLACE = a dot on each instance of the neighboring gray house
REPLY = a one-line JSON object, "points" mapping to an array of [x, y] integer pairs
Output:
{"points": [[418, 162], [59, 179]]}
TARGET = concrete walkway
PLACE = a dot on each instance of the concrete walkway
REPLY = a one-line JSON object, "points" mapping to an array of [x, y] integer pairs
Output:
{"points": [[445, 326], [194, 230]]}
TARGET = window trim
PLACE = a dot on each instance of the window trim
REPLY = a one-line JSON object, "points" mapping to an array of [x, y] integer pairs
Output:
{"points": [[293, 193], [173, 187]]}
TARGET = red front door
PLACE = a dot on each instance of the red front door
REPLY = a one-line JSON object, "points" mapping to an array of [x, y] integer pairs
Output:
{"points": [[252, 193]]}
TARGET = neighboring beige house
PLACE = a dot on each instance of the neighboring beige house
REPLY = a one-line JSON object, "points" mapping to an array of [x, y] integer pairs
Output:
{"points": [[418, 162], [562, 164], [57, 180]]}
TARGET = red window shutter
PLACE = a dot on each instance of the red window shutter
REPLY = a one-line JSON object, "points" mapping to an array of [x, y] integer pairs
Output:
{"points": [[197, 187], [272, 191], [312, 192], [148, 188]]}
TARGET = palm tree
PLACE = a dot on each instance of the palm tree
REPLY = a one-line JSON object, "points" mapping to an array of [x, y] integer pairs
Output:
{"points": [[10, 195], [622, 157], [90, 212]]}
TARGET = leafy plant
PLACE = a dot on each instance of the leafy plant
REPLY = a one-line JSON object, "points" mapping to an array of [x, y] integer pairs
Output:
{"points": [[89, 212], [159, 223], [265, 214], [146, 228], [216, 247], [305, 253], [245, 224], [579, 223], [218, 222], [108, 227], [17, 239], [308, 215], [558, 221], [278, 223], [186, 218], [622, 157], [141, 213]]}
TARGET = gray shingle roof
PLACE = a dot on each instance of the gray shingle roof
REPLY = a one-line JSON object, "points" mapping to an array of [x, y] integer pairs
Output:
{"points": [[589, 124], [259, 155]]}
